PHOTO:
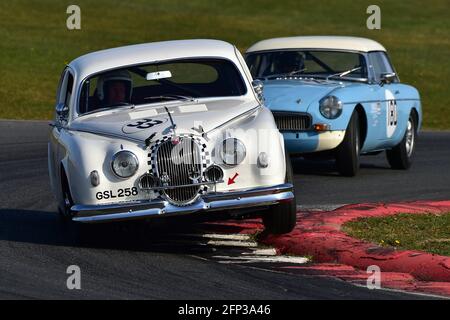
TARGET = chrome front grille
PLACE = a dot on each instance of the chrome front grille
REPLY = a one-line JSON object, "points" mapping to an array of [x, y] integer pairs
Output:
{"points": [[292, 121], [179, 164]]}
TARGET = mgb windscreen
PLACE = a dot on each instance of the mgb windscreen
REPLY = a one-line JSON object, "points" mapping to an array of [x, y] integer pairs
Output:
{"points": [[307, 63]]}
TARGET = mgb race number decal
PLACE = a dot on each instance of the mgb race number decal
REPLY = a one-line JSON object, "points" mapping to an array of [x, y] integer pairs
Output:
{"points": [[119, 193], [391, 114]]}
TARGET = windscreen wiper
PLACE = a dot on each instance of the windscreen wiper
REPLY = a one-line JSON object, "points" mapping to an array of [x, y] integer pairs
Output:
{"points": [[344, 73], [171, 97]]}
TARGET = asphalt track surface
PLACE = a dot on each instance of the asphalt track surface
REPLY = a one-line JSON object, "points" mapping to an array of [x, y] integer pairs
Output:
{"points": [[160, 263]]}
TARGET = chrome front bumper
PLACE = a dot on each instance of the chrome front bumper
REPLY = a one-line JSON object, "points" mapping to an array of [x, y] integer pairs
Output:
{"points": [[232, 200]]}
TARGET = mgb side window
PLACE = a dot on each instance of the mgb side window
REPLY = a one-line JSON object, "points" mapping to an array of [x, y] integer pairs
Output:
{"points": [[380, 64]]}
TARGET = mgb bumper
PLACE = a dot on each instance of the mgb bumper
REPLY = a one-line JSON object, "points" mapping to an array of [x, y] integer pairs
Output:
{"points": [[242, 199], [312, 141]]}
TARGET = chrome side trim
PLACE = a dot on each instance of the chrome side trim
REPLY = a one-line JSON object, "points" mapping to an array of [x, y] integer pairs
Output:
{"points": [[256, 197], [381, 101], [109, 135]]}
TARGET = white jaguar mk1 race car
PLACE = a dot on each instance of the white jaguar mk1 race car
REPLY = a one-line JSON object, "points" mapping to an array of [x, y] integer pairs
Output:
{"points": [[163, 129]]}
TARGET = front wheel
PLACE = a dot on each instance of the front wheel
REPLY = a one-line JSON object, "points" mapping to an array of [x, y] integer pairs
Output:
{"points": [[67, 202], [347, 153], [281, 218], [400, 157]]}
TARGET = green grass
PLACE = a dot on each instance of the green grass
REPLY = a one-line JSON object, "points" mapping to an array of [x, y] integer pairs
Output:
{"points": [[430, 233], [35, 44]]}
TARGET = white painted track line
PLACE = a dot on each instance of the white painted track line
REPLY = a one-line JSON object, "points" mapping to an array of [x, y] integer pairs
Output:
{"points": [[272, 259], [233, 243]]}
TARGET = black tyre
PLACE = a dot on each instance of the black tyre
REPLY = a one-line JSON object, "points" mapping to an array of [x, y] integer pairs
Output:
{"points": [[401, 156], [282, 217], [67, 202], [347, 153]]}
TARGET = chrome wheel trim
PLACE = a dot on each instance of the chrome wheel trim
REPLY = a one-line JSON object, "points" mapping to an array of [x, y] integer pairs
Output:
{"points": [[410, 138]]}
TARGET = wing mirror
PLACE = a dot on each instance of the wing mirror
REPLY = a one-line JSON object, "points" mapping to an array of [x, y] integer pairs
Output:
{"points": [[387, 78], [258, 86], [62, 111]]}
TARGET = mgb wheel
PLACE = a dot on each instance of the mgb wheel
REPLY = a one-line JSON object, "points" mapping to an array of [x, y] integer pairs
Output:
{"points": [[401, 156], [347, 153]]}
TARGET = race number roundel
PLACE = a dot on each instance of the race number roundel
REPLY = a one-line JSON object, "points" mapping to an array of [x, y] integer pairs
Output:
{"points": [[391, 113], [141, 124]]}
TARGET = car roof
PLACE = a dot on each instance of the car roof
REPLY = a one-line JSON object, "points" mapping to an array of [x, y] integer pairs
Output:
{"points": [[108, 59], [318, 42]]}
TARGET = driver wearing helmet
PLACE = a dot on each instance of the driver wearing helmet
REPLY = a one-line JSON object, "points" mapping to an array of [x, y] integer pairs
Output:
{"points": [[115, 88]]}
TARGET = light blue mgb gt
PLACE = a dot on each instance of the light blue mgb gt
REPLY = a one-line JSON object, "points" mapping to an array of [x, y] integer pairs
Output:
{"points": [[338, 97]]}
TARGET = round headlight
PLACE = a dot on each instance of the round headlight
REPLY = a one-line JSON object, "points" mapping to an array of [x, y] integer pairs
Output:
{"points": [[330, 107], [124, 164], [233, 151]]}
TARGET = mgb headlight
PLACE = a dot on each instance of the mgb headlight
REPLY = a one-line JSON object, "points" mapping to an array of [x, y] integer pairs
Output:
{"points": [[233, 151], [330, 107], [125, 164]]}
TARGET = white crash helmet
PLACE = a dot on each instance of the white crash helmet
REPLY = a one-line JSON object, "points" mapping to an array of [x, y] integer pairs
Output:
{"points": [[118, 75]]}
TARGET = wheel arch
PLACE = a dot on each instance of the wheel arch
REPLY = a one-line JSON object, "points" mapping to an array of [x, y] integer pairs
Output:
{"points": [[362, 117], [415, 115], [64, 180]]}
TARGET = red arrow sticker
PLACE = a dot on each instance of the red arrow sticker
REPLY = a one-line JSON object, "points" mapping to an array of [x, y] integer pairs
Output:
{"points": [[231, 180]]}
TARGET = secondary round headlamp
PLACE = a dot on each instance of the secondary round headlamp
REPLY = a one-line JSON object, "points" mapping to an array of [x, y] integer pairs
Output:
{"points": [[233, 151], [330, 107], [124, 164]]}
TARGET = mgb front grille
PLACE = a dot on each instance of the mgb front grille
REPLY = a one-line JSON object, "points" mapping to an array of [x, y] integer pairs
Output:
{"points": [[178, 164], [292, 121]]}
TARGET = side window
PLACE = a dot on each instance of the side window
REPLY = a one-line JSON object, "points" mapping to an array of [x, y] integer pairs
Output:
{"points": [[69, 89], [60, 86], [253, 62], [380, 64], [66, 87]]}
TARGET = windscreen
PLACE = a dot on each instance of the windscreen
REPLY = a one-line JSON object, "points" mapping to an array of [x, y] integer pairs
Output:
{"points": [[320, 64], [150, 83]]}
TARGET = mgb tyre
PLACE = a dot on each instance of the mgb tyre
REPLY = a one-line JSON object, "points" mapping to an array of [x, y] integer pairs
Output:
{"points": [[400, 157], [347, 153]]}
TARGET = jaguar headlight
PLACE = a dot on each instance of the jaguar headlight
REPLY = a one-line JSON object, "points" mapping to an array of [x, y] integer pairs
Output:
{"points": [[330, 107], [124, 164], [233, 151]]}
